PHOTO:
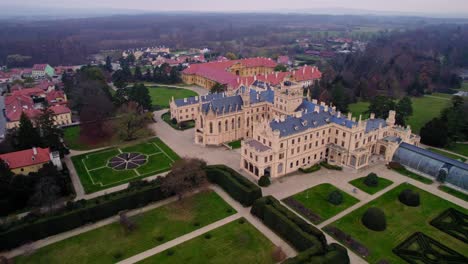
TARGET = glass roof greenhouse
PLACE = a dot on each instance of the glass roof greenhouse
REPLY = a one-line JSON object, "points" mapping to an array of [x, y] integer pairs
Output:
{"points": [[432, 164]]}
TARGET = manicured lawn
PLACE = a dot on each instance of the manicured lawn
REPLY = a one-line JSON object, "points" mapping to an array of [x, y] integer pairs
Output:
{"points": [[454, 192], [424, 109], [96, 175], [235, 144], [359, 108], [110, 243], [232, 243], [414, 176], [166, 117], [402, 221], [446, 154], [160, 96], [316, 197], [459, 148], [71, 136], [359, 183]]}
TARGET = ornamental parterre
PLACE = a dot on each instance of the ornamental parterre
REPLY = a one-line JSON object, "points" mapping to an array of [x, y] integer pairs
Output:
{"points": [[127, 161]]}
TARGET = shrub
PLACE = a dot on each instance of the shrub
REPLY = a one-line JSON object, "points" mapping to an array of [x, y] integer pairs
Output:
{"points": [[329, 166], [236, 185], [335, 254], [395, 165], [207, 235], [229, 210], [117, 255], [196, 224], [264, 181], [174, 121], [160, 238], [409, 198], [374, 219], [241, 221], [313, 168], [335, 197], [371, 180], [170, 252]]}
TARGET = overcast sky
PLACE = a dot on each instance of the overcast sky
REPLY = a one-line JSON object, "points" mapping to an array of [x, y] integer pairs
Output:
{"points": [[419, 6]]}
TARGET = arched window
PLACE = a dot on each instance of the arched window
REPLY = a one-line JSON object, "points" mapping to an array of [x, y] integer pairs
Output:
{"points": [[226, 125], [211, 127], [219, 126], [238, 122], [233, 126], [201, 122]]}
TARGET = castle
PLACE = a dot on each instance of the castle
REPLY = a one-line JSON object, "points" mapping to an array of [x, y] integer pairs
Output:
{"points": [[282, 131]]}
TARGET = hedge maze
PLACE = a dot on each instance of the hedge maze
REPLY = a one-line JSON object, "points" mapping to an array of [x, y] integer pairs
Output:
{"points": [[419, 248], [454, 223]]}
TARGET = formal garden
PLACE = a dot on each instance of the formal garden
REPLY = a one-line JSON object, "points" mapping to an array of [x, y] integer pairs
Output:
{"points": [[235, 242], [387, 228], [134, 234], [371, 183], [320, 202], [113, 166]]}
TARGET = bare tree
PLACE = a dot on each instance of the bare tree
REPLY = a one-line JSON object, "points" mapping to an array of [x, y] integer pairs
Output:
{"points": [[278, 254], [128, 224], [186, 175]]}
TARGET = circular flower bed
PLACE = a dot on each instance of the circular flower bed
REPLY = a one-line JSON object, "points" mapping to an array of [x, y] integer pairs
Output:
{"points": [[127, 161]]}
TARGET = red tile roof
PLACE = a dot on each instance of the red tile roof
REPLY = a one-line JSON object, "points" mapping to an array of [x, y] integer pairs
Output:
{"points": [[217, 71], [24, 158], [60, 109], [283, 60], [39, 67]]}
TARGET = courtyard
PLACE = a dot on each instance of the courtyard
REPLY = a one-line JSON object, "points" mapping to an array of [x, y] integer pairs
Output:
{"points": [[113, 166]]}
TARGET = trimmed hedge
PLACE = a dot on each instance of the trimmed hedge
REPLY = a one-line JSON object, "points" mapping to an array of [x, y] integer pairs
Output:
{"points": [[264, 181], [409, 197], [76, 214], [330, 167], [313, 168], [371, 180], [289, 226], [374, 219], [236, 185], [336, 254], [335, 197]]}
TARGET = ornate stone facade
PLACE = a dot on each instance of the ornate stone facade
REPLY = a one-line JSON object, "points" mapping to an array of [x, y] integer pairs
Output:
{"points": [[282, 131]]}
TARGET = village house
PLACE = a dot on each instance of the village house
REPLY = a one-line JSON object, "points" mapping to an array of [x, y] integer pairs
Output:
{"points": [[30, 160], [31, 101], [40, 71]]}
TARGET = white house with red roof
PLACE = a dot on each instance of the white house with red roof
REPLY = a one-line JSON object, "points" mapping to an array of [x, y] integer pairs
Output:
{"points": [[30, 160], [40, 71], [31, 101]]}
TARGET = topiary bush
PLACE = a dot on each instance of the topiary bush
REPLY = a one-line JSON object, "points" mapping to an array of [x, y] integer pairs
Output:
{"points": [[374, 219], [371, 180], [264, 181], [335, 197], [409, 197]]}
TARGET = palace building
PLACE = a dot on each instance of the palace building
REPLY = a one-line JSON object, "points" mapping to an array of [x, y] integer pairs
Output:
{"points": [[282, 131]]}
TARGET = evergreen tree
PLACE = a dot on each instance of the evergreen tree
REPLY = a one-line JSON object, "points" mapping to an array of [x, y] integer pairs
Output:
{"points": [[28, 136], [108, 64], [381, 105], [138, 74], [434, 133], [49, 132], [139, 93], [119, 78], [218, 88], [174, 76], [404, 109]]}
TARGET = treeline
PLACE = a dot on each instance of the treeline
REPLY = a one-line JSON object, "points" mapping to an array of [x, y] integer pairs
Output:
{"points": [[163, 73], [396, 64], [448, 128]]}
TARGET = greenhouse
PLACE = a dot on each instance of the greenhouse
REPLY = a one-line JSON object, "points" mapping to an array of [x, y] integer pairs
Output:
{"points": [[432, 164]]}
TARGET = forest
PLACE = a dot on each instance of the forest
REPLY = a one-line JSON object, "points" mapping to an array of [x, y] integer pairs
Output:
{"points": [[73, 41]]}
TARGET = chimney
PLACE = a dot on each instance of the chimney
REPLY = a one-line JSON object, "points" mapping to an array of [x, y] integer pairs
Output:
{"points": [[326, 108], [282, 118], [185, 100], [322, 103], [372, 116], [298, 114], [317, 109], [338, 114], [314, 101], [349, 116], [353, 119], [34, 149]]}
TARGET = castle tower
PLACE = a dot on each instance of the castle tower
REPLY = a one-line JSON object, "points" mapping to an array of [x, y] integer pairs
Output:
{"points": [[288, 97]]}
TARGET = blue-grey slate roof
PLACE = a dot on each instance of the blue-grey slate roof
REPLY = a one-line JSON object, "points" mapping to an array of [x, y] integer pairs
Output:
{"points": [[373, 124], [224, 104], [204, 98], [263, 96]]}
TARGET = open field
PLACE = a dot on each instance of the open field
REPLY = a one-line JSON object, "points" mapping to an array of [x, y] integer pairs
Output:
{"points": [[448, 155], [236, 242], [424, 109], [315, 199], [402, 221], [111, 243], [105, 168], [160, 96], [359, 183]]}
